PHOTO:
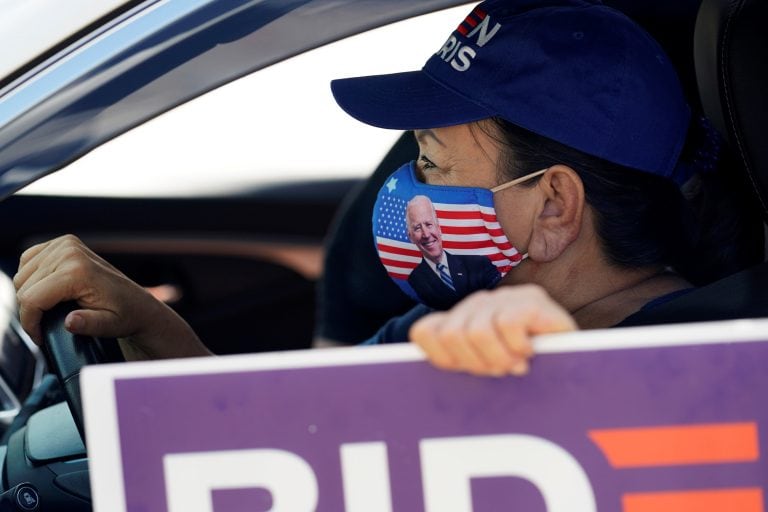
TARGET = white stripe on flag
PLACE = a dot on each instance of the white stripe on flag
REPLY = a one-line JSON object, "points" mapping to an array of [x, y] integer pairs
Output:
{"points": [[396, 243], [399, 270], [469, 223], [450, 207], [400, 257], [484, 237], [483, 251]]}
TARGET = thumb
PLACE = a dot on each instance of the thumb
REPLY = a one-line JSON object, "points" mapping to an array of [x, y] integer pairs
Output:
{"points": [[552, 320], [96, 323]]}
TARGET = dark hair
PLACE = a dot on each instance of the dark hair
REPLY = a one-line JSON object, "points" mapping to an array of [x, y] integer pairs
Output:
{"points": [[642, 219]]}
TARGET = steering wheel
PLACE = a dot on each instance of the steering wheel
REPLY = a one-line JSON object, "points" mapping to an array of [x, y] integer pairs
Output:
{"points": [[67, 353], [44, 462]]}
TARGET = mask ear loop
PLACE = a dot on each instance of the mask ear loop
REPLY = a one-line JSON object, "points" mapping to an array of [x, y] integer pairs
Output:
{"points": [[517, 181]]}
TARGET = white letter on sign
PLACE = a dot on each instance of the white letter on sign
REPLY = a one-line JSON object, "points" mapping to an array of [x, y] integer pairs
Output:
{"points": [[365, 473], [190, 478], [447, 465]]}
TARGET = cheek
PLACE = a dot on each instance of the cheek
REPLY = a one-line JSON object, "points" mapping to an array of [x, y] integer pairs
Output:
{"points": [[514, 218]]}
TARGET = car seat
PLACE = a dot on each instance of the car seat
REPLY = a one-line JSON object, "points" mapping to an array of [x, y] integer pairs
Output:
{"points": [[730, 52], [731, 49], [355, 294]]}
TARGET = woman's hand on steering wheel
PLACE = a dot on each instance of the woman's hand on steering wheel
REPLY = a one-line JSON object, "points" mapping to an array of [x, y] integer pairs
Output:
{"points": [[110, 304]]}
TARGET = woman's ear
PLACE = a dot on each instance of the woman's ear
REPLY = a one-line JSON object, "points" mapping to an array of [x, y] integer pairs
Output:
{"points": [[559, 221]]}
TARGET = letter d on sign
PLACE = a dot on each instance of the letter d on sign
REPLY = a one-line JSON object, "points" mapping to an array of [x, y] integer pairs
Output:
{"points": [[448, 464], [190, 478]]}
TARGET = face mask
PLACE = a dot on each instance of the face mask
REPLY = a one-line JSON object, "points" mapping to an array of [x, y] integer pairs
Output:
{"points": [[441, 243]]}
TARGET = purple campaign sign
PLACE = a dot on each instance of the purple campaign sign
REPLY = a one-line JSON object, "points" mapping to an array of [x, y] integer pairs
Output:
{"points": [[635, 429]]}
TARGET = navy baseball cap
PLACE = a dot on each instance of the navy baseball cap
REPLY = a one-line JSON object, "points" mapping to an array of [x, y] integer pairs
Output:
{"points": [[574, 71]]}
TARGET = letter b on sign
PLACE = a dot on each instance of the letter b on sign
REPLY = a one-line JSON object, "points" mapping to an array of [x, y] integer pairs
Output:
{"points": [[448, 465], [190, 478]]}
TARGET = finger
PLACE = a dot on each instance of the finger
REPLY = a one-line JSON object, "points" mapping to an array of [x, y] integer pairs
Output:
{"points": [[34, 251], [451, 335], [517, 342], [34, 273], [51, 262], [41, 297], [424, 334], [28, 263], [535, 311], [488, 343], [98, 323], [513, 331], [480, 334], [551, 320], [548, 316], [30, 321], [44, 258]]}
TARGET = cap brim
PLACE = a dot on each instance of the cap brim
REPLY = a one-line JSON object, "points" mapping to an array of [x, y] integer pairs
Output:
{"points": [[404, 101]]}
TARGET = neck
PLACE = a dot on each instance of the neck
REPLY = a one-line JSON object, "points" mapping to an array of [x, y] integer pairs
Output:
{"points": [[437, 260], [609, 305], [596, 293]]}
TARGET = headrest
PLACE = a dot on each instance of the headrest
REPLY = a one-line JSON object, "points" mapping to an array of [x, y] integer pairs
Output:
{"points": [[356, 296], [731, 52]]}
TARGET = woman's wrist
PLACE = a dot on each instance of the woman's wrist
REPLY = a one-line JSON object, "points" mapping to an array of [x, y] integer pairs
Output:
{"points": [[165, 335]]}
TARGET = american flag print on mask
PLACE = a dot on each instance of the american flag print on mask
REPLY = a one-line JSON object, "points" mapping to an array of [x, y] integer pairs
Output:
{"points": [[466, 218]]}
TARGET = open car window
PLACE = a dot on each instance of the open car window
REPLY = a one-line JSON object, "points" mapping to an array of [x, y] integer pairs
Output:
{"points": [[277, 125]]}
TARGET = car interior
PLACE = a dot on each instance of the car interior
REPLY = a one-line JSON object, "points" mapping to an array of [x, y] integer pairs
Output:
{"points": [[249, 279]]}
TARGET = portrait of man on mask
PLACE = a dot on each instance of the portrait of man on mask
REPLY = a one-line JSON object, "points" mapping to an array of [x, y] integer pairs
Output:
{"points": [[442, 278]]}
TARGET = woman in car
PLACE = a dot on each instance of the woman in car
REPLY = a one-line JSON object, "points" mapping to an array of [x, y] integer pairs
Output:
{"points": [[559, 125]]}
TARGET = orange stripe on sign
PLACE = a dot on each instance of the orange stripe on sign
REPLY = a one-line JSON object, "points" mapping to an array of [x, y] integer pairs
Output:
{"points": [[676, 445], [726, 500]]}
